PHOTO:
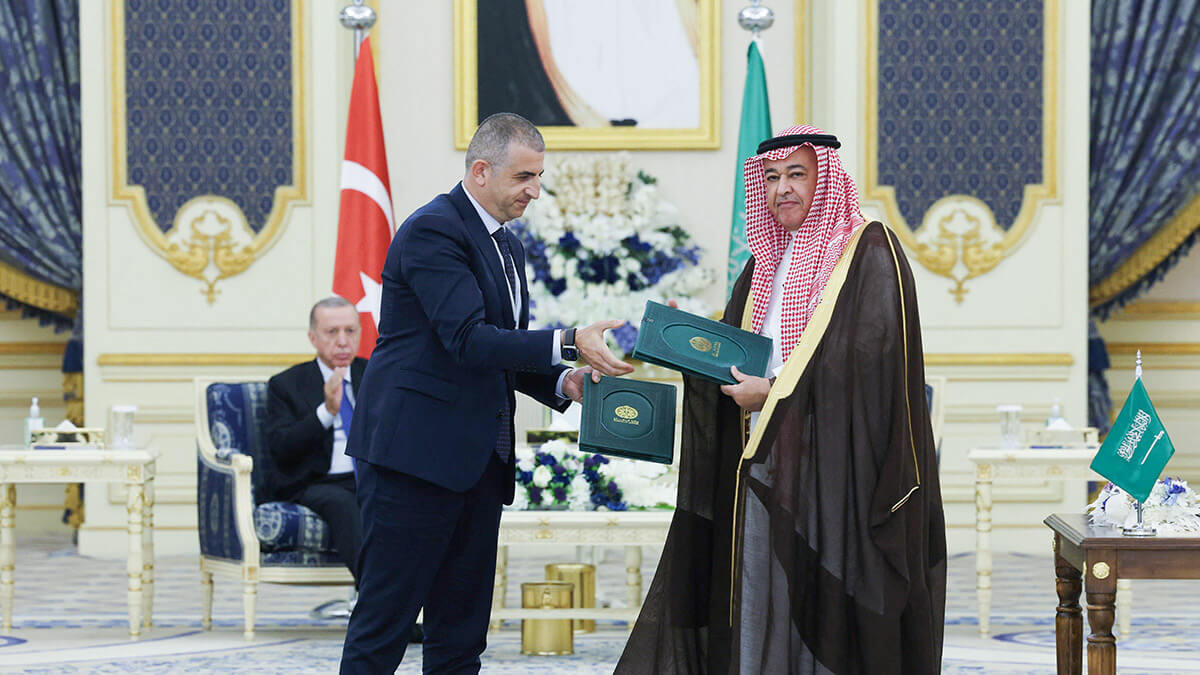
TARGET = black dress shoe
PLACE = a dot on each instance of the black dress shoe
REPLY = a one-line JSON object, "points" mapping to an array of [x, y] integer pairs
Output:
{"points": [[418, 634]]}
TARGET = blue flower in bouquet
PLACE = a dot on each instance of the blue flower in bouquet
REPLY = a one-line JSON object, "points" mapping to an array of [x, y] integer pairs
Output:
{"points": [[626, 337], [1174, 488], [568, 243], [535, 495]]}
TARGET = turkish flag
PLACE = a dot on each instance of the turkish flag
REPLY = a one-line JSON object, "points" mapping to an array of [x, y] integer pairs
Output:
{"points": [[365, 220]]}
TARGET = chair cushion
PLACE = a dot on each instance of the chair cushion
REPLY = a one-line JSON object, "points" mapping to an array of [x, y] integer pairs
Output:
{"points": [[300, 559], [216, 518], [237, 419], [285, 526]]}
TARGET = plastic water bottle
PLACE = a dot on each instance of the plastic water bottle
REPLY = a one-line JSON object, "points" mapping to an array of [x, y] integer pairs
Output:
{"points": [[1055, 413], [33, 422]]}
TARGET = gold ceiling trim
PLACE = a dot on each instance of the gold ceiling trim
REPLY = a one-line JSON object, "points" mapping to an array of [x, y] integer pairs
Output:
{"points": [[948, 247], [184, 254]]}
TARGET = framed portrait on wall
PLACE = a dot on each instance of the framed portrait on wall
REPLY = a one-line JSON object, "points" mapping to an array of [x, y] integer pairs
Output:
{"points": [[618, 74]]}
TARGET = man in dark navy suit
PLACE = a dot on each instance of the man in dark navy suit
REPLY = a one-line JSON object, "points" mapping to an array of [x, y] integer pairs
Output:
{"points": [[308, 407], [433, 430]]}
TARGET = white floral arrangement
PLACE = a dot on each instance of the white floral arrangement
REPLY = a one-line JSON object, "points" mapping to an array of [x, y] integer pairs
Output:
{"points": [[600, 242], [555, 475], [1172, 508]]}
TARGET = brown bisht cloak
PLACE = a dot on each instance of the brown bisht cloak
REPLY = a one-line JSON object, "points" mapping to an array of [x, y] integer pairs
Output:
{"points": [[816, 544]]}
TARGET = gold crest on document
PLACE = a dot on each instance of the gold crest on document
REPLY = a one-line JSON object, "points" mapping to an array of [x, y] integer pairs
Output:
{"points": [[700, 344], [626, 412]]}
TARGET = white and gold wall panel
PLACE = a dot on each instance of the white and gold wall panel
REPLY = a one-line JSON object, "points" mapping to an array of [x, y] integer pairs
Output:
{"points": [[210, 213], [990, 203]]}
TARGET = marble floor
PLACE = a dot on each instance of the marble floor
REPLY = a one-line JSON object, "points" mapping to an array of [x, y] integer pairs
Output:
{"points": [[70, 617]]}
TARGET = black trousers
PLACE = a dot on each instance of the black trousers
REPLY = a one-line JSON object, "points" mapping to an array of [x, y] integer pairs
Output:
{"points": [[424, 546], [333, 498]]}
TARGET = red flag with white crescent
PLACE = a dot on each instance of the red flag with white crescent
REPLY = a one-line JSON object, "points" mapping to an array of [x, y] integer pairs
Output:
{"points": [[365, 220]]}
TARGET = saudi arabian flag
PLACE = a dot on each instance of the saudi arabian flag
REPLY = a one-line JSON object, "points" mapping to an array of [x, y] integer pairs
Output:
{"points": [[755, 128], [1137, 448]]}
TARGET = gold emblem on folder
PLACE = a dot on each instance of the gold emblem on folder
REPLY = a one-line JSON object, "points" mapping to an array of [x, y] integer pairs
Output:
{"points": [[700, 344], [626, 412]]}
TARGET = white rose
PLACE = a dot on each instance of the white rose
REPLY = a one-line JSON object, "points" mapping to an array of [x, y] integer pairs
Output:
{"points": [[542, 476], [525, 464]]}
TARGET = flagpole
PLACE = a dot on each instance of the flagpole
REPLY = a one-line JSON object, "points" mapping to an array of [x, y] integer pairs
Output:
{"points": [[1140, 529], [359, 18]]}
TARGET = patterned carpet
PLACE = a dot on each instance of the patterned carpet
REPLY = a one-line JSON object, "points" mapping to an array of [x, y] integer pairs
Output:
{"points": [[70, 617]]}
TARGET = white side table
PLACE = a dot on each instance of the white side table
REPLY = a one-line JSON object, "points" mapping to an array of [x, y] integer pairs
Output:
{"points": [[134, 468], [631, 529], [1026, 465]]}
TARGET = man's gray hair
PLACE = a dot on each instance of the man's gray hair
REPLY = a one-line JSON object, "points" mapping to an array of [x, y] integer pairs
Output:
{"points": [[332, 302], [490, 142]]}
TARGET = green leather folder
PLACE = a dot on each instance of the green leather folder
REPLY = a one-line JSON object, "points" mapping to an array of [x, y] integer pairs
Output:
{"points": [[628, 418], [692, 344]]}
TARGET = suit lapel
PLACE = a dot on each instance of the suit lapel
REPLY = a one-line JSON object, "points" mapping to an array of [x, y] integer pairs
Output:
{"points": [[487, 249]]}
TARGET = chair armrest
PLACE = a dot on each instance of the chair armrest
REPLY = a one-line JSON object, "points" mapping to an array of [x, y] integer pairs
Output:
{"points": [[243, 503], [225, 508]]}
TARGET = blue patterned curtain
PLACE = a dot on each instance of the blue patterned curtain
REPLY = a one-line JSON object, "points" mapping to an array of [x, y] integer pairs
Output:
{"points": [[41, 251], [1144, 182]]}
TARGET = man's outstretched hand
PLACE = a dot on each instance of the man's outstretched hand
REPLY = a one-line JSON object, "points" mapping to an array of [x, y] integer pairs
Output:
{"points": [[592, 349], [573, 385]]}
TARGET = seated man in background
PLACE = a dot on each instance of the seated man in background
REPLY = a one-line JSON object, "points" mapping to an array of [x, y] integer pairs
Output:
{"points": [[309, 408]]}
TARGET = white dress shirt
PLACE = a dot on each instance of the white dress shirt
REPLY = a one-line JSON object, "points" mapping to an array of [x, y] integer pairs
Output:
{"points": [[773, 321], [492, 225], [340, 462]]}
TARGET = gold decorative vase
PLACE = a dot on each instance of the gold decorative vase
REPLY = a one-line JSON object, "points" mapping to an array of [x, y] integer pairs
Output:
{"points": [[583, 577], [547, 637]]}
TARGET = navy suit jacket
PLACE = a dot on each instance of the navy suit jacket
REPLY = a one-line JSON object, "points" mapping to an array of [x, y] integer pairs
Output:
{"points": [[449, 351]]}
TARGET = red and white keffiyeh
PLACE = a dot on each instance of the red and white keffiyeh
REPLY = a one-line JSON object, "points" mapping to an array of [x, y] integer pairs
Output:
{"points": [[832, 218]]}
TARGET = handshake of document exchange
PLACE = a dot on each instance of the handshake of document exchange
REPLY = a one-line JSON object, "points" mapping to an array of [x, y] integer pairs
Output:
{"points": [[636, 419]]}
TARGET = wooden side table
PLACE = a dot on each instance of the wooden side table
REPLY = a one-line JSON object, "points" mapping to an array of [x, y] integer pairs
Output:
{"points": [[134, 468], [1100, 555], [1028, 465]]}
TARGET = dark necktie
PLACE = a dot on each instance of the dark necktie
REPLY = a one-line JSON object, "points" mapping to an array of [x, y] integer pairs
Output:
{"points": [[510, 271], [503, 439]]}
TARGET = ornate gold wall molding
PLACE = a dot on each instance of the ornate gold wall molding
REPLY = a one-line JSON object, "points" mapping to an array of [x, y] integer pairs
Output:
{"points": [[161, 360], [23, 288], [1020, 359], [30, 348], [802, 76], [1159, 310], [1150, 255], [981, 246], [1155, 348], [187, 249]]}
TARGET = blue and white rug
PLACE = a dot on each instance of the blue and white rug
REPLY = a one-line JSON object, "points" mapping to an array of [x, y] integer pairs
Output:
{"points": [[70, 617]]}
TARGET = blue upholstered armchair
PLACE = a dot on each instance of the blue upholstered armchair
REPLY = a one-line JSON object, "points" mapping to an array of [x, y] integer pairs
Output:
{"points": [[275, 542]]}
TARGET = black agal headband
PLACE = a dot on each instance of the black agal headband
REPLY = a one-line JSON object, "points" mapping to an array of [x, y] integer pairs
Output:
{"points": [[798, 139]]}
